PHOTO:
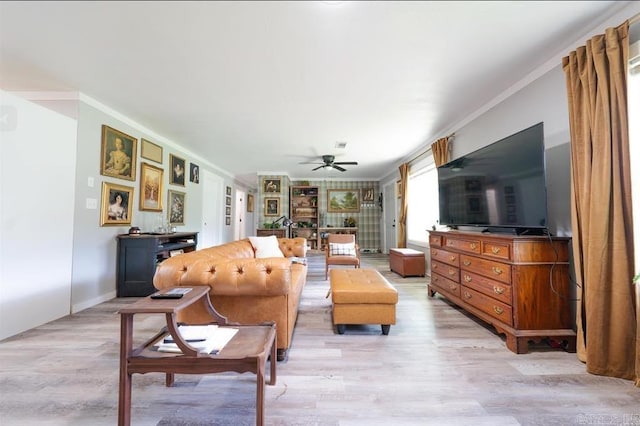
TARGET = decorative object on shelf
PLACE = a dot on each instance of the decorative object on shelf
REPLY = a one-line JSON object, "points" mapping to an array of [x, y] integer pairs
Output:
{"points": [[368, 195], [177, 165], [343, 200], [151, 188], [176, 202], [272, 206], [271, 185], [249, 203], [117, 204], [151, 151], [349, 222], [134, 230], [194, 173], [118, 154]]}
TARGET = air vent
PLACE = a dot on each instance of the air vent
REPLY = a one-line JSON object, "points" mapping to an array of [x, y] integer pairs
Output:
{"points": [[341, 145]]}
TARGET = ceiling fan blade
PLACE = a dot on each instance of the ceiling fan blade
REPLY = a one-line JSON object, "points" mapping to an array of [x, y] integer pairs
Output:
{"points": [[310, 162], [319, 167], [338, 167], [347, 163]]}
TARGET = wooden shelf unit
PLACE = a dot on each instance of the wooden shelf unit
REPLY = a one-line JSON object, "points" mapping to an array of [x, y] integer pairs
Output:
{"points": [[303, 207], [138, 256], [518, 284]]}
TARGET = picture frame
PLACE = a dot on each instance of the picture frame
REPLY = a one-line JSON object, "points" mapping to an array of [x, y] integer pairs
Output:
{"points": [[228, 190], [227, 221], [150, 151], [368, 195], [272, 206], [176, 203], [227, 201], [343, 200], [151, 178], [250, 203], [227, 211], [177, 166], [194, 173], [272, 185], [117, 204], [118, 154]]}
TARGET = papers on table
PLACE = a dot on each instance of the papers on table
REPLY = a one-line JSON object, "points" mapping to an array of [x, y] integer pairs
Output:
{"points": [[206, 339]]}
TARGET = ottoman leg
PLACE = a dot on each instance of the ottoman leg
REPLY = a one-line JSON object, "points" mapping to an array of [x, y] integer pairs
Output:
{"points": [[385, 329], [340, 328]]}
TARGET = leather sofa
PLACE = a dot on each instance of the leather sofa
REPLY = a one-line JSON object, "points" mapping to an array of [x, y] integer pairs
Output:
{"points": [[243, 288]]}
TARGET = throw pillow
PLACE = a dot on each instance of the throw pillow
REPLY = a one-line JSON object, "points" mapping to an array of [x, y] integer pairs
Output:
{"points": [[346, 249], [266, 246]]}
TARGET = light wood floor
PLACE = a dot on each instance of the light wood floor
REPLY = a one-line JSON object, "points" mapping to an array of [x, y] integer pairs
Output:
{"points": [[438, 366]]}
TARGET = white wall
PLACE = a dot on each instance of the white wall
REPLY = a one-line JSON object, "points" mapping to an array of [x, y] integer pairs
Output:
{"points": [[37, 197]]}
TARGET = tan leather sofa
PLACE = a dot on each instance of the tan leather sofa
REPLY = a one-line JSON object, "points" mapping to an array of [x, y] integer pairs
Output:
{"points": [[244, 289]]}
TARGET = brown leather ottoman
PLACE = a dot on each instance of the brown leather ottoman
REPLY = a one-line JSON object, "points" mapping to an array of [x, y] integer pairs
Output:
{"points": [[407, 262], [362, 296]]}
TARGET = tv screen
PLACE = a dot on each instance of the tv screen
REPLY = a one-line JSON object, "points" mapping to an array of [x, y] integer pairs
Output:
{"points": [[499, 187]]}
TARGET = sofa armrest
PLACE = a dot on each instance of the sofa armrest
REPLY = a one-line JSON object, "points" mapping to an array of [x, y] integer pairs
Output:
{"points": [[293, 247]]}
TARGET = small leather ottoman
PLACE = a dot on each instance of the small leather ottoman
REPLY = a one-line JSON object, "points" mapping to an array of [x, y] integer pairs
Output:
{"points": [[407, 262], [362, 296]]}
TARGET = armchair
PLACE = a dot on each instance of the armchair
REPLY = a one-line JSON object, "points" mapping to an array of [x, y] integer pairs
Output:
{"points": [[341, 249]]}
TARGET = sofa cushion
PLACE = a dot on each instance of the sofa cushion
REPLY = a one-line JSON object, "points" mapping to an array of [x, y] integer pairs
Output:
{"points": [[266, 246], [338, 249]]}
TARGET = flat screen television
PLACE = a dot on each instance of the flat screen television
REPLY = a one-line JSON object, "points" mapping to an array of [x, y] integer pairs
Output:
{"points": [[498, 188]]}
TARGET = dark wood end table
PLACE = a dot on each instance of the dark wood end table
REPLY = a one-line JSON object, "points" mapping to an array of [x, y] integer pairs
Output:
{"points": [[247, 351]]}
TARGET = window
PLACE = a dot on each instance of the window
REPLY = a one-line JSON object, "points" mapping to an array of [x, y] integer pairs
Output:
{"points": [[422, 196]]}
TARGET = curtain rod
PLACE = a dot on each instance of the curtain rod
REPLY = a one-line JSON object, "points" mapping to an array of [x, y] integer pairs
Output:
{"points": [[635, 18]]}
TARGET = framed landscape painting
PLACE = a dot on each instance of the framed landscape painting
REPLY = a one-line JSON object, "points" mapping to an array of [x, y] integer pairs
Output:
{"points": [[176, 203], [343, 200], [151, 188], [118, 154], [117, 204]]}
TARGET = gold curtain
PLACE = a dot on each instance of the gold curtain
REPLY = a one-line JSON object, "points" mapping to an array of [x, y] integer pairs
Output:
{"points": [[440, 150], [601, 205], [402, 223]]}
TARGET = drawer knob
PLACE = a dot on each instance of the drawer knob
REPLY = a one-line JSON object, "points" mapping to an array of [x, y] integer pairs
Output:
{"points": [[435, 266], [452, 287], [452, 272], [467, 295], [467, 278], [434, 253], [498, 310], [498, 290], [473, 246], [495, 250], [467, 262], [452, 258], [496, 270]]}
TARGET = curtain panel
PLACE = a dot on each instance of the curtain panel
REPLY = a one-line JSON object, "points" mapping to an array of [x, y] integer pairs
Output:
{"points": [[607, 316], [402, 222]]}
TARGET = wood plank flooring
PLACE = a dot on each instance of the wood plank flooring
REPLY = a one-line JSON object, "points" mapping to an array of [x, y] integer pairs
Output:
{"points": [[437, 366]]}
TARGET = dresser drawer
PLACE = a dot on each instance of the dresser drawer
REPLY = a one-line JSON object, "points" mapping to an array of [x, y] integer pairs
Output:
{"points": [[445, 285], [489, 268], [445, 270], [435, 240], [498, 310], [496, 289], [469, 246], [497, 249], [445, 257]]}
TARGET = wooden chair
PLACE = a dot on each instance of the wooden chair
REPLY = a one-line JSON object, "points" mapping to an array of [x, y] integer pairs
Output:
{"points": [[341, 249]]}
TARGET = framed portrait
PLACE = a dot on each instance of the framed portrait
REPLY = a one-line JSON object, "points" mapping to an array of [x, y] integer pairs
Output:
{"points": [[118, 154], [117, 204], [150, 151], [227, 201], [228, 190], [343, 200], [194, 173], [151, 188], [176, 201], [272, 206], [271, 185], [227, 221], [249, 203], [227, 211], [368, 195], [177, 165]]}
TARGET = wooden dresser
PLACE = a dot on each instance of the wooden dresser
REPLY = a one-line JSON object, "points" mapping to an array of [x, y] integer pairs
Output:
{"points": [[518, 284]]}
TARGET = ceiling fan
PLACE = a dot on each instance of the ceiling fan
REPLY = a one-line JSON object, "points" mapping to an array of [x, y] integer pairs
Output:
{"points": [[328, 161]]}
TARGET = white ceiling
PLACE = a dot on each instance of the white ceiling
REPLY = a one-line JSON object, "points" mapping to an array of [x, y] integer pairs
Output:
{"points": [[263, 86]]}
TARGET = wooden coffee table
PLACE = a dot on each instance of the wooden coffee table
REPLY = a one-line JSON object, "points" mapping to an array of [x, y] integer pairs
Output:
{"points": [[247, 351]]}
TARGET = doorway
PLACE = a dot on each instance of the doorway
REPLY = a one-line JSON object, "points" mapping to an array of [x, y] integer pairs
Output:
{"points": [[389, 214], [212, 187]]}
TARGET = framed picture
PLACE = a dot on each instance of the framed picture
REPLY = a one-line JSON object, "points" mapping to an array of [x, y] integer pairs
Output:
{"points": [[227, 211], [272, 206], [249, 203], [227, 221], [151, 188], [176, 202], [118, 154], [227, 201], [228, 190], [194, 173], [368, 195], [117, 204], [177, 165], [343, 200], [150, 151], [271, 185]]}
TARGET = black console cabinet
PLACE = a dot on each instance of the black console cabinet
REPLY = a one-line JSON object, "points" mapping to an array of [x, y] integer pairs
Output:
{"points": [[138, 256]]}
